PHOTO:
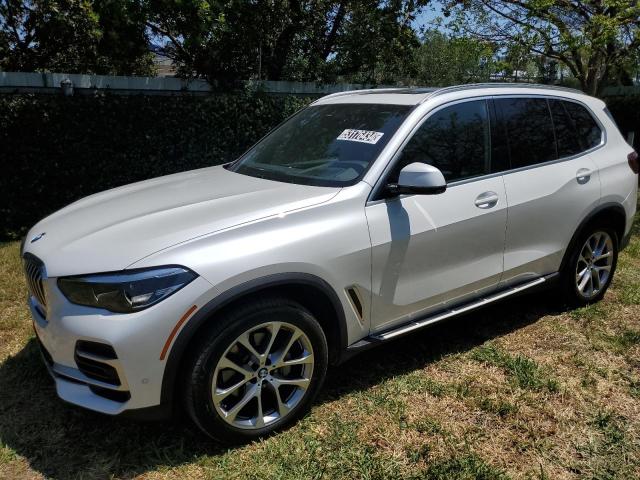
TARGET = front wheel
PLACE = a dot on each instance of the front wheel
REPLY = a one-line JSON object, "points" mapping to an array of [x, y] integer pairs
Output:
{"points": [[256, 370], [589, 271]]}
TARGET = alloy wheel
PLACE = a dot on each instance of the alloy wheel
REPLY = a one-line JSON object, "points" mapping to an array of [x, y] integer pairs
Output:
{"points": [[594, 265], [263, 375]]}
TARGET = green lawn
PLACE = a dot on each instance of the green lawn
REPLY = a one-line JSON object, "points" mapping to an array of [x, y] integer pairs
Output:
{"points": [[518, 390]]}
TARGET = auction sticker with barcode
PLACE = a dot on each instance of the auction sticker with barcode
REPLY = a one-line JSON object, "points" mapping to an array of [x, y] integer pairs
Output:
{"points": [[363, 136]]}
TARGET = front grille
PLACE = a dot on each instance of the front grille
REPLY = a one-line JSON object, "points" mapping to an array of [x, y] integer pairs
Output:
{"points": [[33, 271]]}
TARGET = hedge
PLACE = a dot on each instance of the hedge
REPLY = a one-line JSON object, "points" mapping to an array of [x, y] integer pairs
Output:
{"points": [[626, 111], [54, 149]]}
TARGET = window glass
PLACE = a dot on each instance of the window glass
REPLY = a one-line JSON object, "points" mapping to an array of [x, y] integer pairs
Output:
{"points": [[324, 145], [566, 135], [529, 130], [589, 133], [455, 139]]}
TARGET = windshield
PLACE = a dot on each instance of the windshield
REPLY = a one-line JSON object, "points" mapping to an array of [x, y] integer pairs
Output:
{"points": [[324, 145]]}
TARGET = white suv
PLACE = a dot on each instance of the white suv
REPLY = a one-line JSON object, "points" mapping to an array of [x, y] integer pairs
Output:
{"points": [[365, 216]]}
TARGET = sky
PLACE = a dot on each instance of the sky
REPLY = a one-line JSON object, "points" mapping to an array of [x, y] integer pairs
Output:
{"points": [[427, 18]]}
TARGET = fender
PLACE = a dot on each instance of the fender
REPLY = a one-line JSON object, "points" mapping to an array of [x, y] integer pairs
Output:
{"points": [[205, 313], [585, 221]]}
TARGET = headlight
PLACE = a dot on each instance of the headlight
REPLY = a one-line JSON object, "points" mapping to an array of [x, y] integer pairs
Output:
{"points": [[126, 291]]}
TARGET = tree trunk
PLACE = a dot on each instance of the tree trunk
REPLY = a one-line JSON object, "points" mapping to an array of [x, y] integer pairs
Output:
{"points": [[280, 52], [591, 84], [331, 37]]}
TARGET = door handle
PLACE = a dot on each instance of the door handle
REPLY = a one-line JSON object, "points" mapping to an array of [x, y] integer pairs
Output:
{"points": [[487, 200], [583, 175]]}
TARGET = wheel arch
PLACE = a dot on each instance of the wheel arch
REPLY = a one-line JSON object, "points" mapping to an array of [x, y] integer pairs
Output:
{"points": [[609, 213], [311, 291]]}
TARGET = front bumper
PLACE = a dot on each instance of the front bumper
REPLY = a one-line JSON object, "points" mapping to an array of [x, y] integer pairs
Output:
{"points": [[108, 362]]}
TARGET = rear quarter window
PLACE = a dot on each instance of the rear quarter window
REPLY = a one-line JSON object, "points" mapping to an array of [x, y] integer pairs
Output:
{"points": [[566, 135], [587, 129]]}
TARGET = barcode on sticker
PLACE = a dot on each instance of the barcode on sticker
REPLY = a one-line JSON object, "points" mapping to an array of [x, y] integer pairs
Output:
{"points": [[363, 136]]}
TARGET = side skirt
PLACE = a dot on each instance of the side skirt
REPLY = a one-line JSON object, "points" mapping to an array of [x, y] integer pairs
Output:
{"points": [[431, 319]]}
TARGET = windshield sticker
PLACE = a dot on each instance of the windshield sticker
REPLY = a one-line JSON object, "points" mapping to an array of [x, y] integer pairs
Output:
{"points": [[362, 136]]}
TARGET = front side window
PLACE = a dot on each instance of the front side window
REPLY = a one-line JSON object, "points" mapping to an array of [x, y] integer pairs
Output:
{"points": [[529, 130], [324, 145], [455, 139]]}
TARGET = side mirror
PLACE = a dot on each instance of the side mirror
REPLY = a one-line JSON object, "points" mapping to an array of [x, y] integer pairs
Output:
{"points": [[419, 179]]}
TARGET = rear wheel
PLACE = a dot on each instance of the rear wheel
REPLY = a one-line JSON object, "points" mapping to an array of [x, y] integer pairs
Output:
{"points": [[590, 268], [256, 371]]}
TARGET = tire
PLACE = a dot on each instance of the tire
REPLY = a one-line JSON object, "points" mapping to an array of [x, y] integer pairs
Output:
{"points": [[280, 374], [585, 279]]}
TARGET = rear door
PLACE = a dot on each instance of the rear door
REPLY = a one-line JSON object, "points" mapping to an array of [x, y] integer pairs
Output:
{"points": [[553, 181]]}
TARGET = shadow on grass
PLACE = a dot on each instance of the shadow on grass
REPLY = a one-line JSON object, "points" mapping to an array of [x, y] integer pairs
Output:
{"points": [[63, 441]]}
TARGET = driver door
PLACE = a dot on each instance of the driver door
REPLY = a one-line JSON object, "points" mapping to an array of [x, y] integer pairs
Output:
{"points": [[432, 251]]}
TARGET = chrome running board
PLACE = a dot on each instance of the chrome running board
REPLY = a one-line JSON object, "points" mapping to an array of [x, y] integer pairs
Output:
{"points": [[429, 320]]}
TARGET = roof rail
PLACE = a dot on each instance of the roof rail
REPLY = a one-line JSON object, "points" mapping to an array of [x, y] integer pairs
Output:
{"points": [[366, 91], [471, 86], [435, 91]]}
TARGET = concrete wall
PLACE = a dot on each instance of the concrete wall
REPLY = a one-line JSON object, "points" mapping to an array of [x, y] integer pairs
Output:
{"points": [[33, 82]]}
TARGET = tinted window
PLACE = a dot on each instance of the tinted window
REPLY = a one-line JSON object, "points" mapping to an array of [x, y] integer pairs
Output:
{"points": [[589, 134], [527, 123], [325, 145], [566, 135], [455, 139]]}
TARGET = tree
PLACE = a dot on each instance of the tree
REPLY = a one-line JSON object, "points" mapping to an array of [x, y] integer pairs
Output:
{"points": [[592, 38], [312, 40], [74, 36], [376, 42], [238, 39], [444, 60], [123, 48]]}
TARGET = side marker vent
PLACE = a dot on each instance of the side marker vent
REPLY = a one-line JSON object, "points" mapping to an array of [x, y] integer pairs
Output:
{"points": [[355, 302]]}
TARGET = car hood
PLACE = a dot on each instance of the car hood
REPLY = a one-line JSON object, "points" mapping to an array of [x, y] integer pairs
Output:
{"points": [[111, 230]]}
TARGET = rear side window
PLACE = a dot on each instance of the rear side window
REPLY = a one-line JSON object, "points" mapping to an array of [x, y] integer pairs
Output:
{"points": [[455, 139], [589, 133], [566, 134], [529, 130]]}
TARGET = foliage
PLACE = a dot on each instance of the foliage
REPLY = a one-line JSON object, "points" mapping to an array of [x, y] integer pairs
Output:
{"points": [[58, 149], [75, 146], [309, 40], [443, 60], [594, 39], [376, 43], [364, 41], [626, 111], [73, 36]]}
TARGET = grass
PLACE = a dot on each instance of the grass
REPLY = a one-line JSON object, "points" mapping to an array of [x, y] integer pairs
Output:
{"points": [[520, 390], [522, 371]]}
